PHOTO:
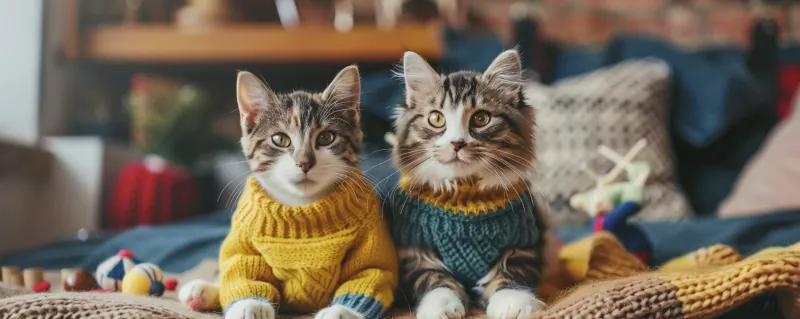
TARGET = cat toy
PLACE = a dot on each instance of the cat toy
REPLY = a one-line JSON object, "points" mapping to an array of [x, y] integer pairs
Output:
{"points": [[144, 279], [613, 203], [109, 273]]}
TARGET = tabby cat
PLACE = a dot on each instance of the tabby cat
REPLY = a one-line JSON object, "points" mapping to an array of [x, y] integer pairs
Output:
{"points": [[307, 233], [466, 224]]}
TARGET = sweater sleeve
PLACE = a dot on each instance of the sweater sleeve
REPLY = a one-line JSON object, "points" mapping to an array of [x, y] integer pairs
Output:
{"points": [[244, 274], [370, 272]]}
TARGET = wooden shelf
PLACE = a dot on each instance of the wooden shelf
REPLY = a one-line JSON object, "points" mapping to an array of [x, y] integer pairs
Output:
{"points": [[257, 43]]}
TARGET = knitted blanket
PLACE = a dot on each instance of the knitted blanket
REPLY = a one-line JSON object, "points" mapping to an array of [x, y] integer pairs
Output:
{"points": [[597, 279]]}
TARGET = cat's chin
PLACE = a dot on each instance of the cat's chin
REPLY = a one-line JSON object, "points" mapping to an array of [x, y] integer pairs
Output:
{"points": [[444, 175], [294, 193]]}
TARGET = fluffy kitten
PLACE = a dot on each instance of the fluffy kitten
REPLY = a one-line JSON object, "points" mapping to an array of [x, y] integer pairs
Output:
{"points": [[299, 147], [460, 139]]}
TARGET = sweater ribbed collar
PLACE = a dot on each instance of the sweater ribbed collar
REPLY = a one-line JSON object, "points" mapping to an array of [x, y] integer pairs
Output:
{"points": [[346, 206], [465, 196]]}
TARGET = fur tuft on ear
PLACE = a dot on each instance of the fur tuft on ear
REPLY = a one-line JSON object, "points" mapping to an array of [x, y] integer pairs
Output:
{"points": [[345, 89], [252, 95], [417, 73], [506, 69]]}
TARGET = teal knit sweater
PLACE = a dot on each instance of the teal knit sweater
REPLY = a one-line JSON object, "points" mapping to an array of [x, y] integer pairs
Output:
{"points": [[468, 228]]}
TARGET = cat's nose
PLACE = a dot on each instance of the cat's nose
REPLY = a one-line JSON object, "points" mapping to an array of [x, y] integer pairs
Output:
{"points": [[458, 145], [305, 167]]}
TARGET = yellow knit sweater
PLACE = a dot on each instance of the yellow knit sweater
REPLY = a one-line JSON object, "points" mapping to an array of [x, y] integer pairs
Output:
{"points": [[304, 258]]}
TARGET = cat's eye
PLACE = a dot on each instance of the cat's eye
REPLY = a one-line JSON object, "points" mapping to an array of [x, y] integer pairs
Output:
{"points": [[281, 140], [325, 138], [481, 119], [436, 119]]}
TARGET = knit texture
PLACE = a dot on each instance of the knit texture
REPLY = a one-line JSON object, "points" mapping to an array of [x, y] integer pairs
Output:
{"points": [[302, 258], [608, 283], [469, 228], [93, 305], [703, 284]]}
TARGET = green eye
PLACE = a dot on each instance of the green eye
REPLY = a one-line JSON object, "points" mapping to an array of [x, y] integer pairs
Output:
{"points": [[325, 138], [481, 119], [281, 140], [436, 119]]}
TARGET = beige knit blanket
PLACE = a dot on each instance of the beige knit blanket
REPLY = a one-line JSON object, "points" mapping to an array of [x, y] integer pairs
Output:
{"points": [[597, 279]]}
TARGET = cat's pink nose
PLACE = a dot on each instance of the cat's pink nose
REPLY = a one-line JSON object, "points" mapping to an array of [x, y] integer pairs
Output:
{"points": [[458, 145], [305, 167]]}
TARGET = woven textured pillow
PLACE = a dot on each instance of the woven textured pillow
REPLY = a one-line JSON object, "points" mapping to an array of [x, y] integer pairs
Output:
{"points": [[614, 106]]}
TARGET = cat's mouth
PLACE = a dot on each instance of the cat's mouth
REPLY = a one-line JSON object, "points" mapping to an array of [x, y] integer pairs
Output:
{"points": [[304, 181]]}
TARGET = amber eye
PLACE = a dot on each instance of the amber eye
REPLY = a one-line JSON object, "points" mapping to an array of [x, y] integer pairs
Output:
{"points": [[325, 138], [436, 119], [481, 118], [281, 140]]}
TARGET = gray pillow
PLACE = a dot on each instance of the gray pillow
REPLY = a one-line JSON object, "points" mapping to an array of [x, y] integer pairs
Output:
{"points": [[614, 106]]}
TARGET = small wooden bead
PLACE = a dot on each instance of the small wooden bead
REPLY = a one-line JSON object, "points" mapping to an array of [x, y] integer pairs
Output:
{"points": [[32, 276], [65, 274], [12, 276]]}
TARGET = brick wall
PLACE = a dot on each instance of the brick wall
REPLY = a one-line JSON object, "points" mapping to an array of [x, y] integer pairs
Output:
{"points": [[685, 22]]}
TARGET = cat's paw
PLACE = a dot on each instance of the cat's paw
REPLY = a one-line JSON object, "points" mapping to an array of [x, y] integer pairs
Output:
{"points": [[513, 304], [440, 303], [200, 295], [337, 312], [250, 309]]}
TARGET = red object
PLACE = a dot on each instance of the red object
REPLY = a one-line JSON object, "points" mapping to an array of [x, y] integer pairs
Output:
{"points": [[788, 89], [170, 284], [143, 196], [43, 286], [598, 222], [645, 256], [125, 254], [100, 290], [196, 304]]}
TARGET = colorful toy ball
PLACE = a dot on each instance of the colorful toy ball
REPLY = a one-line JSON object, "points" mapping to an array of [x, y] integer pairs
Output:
{"points": [[144, 279], [109, 273]]}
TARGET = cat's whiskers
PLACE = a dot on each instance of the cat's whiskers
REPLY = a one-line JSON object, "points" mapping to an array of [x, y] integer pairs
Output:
{"points": [[229, 183], [398, 170], [416, 163], [374, 152], [520, 159], [353, 172], [411, 153], [512, 185], [413, 182], [516, 171], [486, 164], [237, 192]]}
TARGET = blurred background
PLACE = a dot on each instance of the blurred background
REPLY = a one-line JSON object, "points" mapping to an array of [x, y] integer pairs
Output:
{"points": [[121, 113]]}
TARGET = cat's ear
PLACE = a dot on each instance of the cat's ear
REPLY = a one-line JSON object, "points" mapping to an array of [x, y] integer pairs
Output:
{"points": [[506, 69], [345, 89], [253, 95], [417, 73]]}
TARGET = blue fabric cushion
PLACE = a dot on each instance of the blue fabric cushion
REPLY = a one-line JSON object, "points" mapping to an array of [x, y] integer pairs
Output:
{"points": [[712, 89]]}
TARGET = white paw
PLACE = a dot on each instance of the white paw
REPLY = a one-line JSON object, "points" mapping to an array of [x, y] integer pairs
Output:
{"points": [[250, 309], [199, 295], [513, 304], [337, 312], [441, 303]]}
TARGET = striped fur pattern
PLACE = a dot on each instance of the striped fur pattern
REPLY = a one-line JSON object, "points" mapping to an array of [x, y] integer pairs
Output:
{"points": [[300, 145], [467, 126]]}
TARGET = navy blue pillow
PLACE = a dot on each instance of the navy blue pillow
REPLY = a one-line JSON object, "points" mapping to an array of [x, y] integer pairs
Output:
{"points": [[713, 90]]}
